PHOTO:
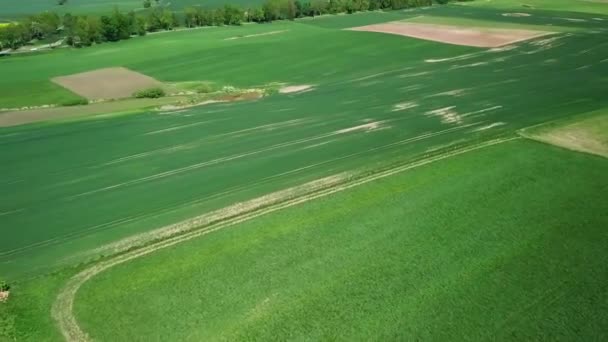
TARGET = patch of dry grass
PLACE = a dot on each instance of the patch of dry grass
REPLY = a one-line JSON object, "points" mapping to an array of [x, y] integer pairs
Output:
{"points": [[588, 134]]}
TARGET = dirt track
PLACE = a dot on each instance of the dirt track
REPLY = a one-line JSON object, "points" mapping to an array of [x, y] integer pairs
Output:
{"points": [[62, 311], [478, 37]]}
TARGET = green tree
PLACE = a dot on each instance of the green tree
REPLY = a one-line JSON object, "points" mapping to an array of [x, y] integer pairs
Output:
{"points": [[272, 10], [109, 30], [161, 19], [232, 15], [47, 23], [140, 26], [4, 286], [147, 3], [206, 17], [80, 35], [319, 7], [190, 17], [217, 16], [122, 23], [289, 9], [256, 15], [10, 36]]}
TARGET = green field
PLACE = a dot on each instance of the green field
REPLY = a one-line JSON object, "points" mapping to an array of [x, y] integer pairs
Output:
{"points": [[311, 44], [458, 228], [417, 256], [10, 10], [563, 6]]}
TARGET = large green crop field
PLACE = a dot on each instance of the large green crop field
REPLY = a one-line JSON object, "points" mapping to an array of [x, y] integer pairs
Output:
{"points": [[414, 209], [469, 248]]}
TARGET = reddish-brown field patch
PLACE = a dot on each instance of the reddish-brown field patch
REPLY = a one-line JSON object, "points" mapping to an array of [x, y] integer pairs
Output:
{"points": [[109, 83], [469, 36]]}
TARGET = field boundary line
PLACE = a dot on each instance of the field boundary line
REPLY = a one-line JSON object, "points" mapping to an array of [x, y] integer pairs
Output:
{"points": [[62, 310]]}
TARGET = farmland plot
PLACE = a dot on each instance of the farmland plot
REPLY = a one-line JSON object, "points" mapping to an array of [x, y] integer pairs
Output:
{"points": [[446, 250], [355, 106]]}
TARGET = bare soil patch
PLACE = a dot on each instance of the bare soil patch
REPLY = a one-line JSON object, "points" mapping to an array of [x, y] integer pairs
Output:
{"points": [[295, 89], [368, 127], [468, 36], [588, 135], [109, 83], [516, 15], [4, 296]]}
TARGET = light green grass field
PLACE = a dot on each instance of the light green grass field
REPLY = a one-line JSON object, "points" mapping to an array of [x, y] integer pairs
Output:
{"points": [[469, 248], [457, 238]]}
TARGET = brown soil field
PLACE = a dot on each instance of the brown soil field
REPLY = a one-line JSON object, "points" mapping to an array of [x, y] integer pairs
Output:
{"points": [[109, 83], [478, 37]]}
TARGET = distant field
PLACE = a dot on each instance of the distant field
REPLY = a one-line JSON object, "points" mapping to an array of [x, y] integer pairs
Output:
{"points": [[16, 9], [481, 23], [583, 6], [468, 248]]}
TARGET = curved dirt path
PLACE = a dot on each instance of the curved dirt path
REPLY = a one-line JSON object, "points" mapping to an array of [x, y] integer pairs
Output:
{"points": [[62, 311]]}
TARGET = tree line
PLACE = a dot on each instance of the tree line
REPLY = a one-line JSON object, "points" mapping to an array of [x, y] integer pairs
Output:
{"points": [[85, 30]]}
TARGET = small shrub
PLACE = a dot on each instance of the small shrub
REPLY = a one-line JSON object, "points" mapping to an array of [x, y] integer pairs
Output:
{"points": [[4, 286], [151, 93], [204, 88], [271, 91], [229, 89], [75, 102]]}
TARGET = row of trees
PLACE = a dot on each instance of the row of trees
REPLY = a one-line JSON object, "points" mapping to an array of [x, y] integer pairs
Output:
{"points": [[84, 30], [290, 9]]}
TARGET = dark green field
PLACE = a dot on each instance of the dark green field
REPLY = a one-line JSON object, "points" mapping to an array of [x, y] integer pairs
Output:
{"points": [[480, 234]]}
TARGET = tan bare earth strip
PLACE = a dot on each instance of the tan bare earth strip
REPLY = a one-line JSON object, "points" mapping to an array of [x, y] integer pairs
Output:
{"points": [[468, 36], [572, 138], [62, 310]]}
